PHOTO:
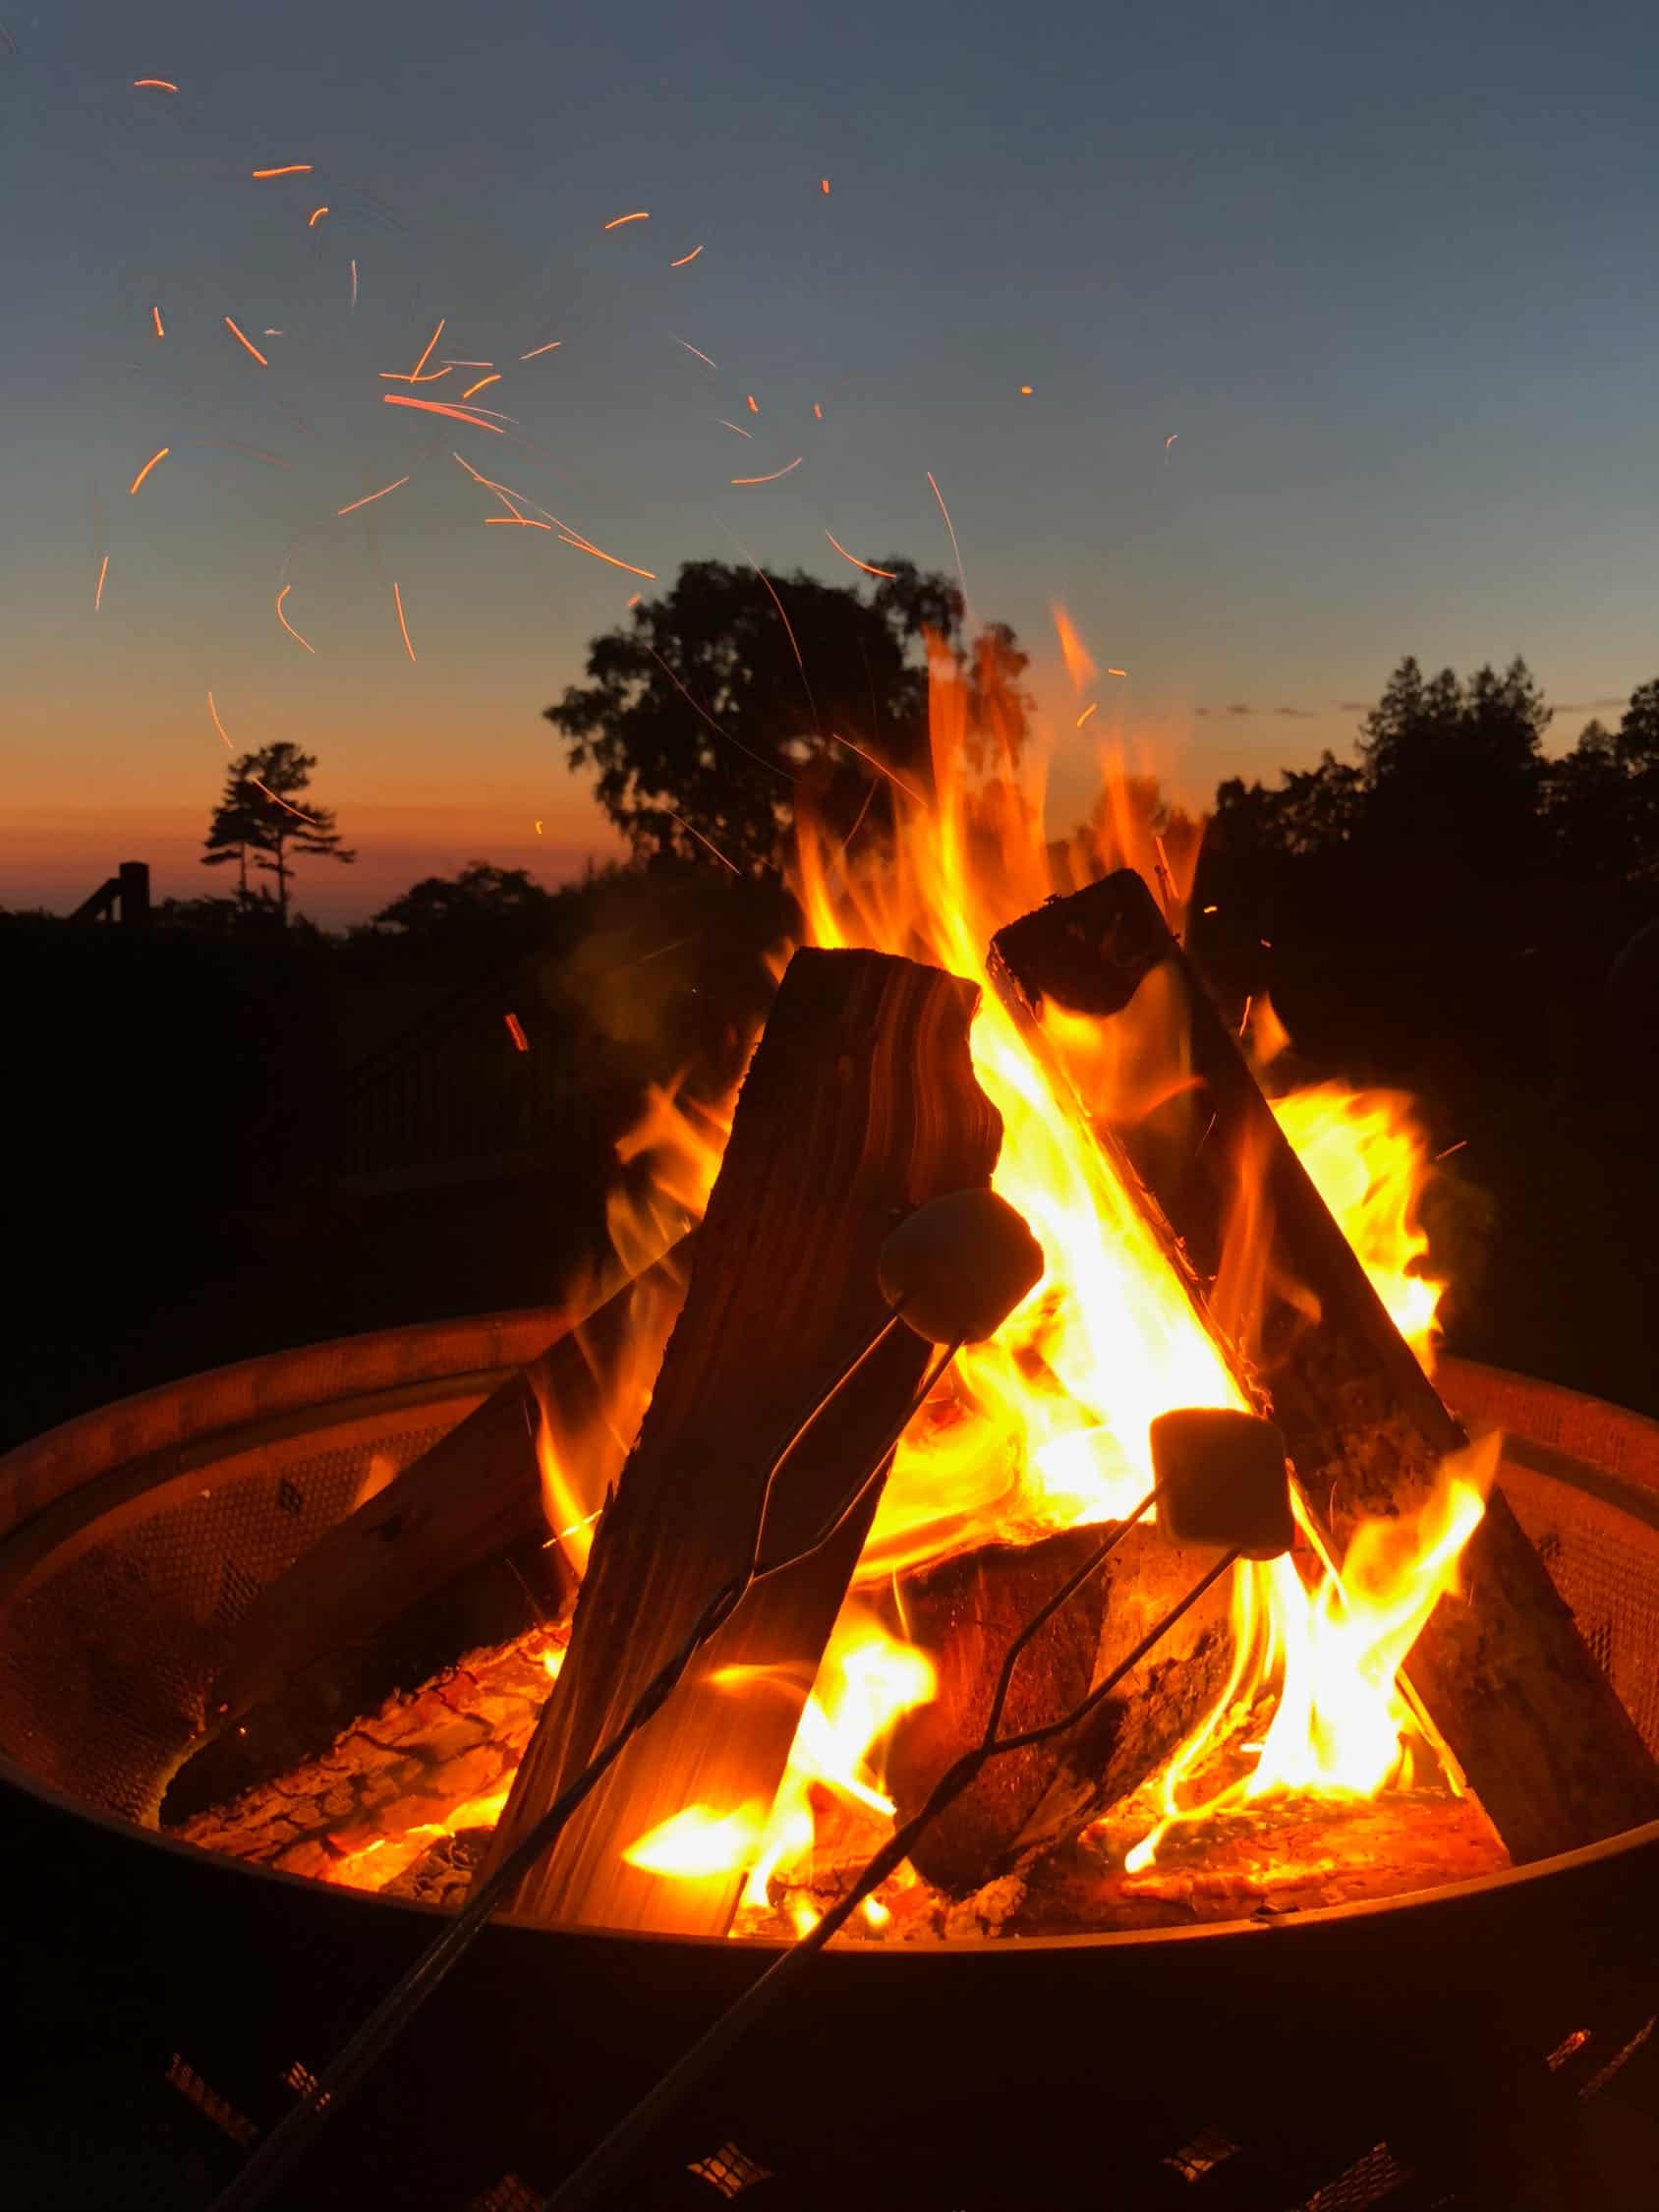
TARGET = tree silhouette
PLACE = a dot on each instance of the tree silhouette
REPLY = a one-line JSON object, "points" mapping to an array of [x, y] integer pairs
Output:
{"points": [[733, 698], [1603, 798], [483, 902], [258, 817]]}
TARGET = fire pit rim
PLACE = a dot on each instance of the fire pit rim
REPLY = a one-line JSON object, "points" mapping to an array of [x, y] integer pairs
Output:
{"points": [[67, 1477]]}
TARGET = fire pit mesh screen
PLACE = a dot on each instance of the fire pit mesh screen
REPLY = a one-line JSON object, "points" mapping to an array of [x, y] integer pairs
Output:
{"points": [[110, 1608], [105, 1654], [1605, 1562]]}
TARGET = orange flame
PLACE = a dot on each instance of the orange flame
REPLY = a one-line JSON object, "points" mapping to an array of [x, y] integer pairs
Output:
{"points": [[1046, 1426]]}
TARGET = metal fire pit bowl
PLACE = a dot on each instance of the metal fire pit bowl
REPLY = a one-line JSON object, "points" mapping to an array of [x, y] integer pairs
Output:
{"points": [[172, 2001]]}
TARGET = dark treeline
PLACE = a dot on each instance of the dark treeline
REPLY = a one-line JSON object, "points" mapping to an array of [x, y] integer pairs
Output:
{"points": [[236, 1131]]}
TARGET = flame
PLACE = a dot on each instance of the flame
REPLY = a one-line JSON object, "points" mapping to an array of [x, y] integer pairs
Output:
{"points": [[866, 1679], [1046, 1426], [1366, 1157], [680, 1145]]}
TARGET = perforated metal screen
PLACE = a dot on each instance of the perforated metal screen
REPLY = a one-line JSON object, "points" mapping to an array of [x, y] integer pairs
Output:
{"points": [[107, 1635]]}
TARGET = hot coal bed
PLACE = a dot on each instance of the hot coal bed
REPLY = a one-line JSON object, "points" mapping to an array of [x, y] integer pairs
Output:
{"points": [[1440, 2048]]}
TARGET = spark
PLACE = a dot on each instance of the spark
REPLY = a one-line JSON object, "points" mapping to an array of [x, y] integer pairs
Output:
{"points": [[1117, 672], [144, 471], [853, 558], [685, 258], [538, 829], [413, 375], [1451, 1148], [469, 364], [494, 377], [269, 333], [153, 84], [702, 713], [156, 318], [229, 446], [242, 338], [701, 840], [1244, 1017], [824, 186], [582, 545], [315, 218], [752, 402], [879, 766], [506, 522], [1087, 711], [639, 215], [635, 601], [1025, 391], [368, 496], [354, 283], [502, 491], [775, 474], [551, 346], [1079, 662], [291, 169], [437, 407], [737, 427], [952, 528], [397, 599], [103, 572], [817, 412], [789, 626], [275, 797], [1168, 442], [690, 348], [287, 625], [515, 1028], [431, 342]]}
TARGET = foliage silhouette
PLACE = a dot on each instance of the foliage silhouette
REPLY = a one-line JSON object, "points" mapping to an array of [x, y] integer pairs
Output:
{"points": [[257, 817], [732, 697]]}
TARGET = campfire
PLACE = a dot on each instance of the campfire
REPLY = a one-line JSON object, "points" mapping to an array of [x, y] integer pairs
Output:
{"points": [[1400, 1700]]}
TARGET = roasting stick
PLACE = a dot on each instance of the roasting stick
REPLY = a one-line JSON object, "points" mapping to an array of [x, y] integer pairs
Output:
{"points": [[963, 1262], [1217, 1471]]}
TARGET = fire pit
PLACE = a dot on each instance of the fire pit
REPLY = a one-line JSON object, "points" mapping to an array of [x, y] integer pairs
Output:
{"points": [[1241, 2063]]}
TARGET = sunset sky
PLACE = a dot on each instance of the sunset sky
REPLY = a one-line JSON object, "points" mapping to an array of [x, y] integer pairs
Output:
{"points": [[1386, 274]]}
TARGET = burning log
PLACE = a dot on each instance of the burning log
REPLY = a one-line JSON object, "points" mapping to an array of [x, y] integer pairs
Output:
{"points": [[1504, 1675], [965, 1612], [452, 1553], [860, 1104]]}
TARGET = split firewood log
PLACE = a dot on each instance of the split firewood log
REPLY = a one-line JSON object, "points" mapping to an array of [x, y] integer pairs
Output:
{"points": [[965, 1611], [1501, 1669], [860, 1104]]}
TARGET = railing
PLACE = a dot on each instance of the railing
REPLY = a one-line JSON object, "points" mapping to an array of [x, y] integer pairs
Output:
{"points": [[485, 1081]]}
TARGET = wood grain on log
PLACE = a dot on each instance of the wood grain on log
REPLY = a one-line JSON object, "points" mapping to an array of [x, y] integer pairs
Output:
{"points": [[1502, 1670], [965, 1612], [859, 1105]]}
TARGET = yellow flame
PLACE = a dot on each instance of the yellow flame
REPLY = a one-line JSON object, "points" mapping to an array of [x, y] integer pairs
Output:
{"points": [[1047, 1426]]}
